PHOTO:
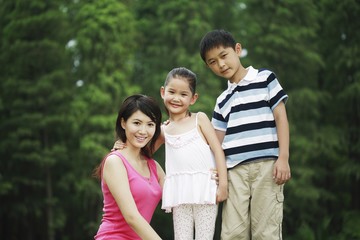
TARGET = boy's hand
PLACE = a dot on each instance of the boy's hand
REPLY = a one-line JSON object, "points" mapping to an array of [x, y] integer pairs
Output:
{"points": [[118, 145], [281, 173]]}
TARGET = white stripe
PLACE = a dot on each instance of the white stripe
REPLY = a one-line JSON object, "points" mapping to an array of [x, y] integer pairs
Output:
{"points": [[241, 118], [248, 141]]}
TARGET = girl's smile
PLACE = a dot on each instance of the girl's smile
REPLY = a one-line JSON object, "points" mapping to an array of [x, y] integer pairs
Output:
{"points": [[177, 96]]}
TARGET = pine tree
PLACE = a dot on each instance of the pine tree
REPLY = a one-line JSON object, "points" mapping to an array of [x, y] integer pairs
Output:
{"points": [[35, 97]]}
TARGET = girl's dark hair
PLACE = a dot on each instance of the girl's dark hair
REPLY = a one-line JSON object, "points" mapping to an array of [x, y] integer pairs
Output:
{"points": [[214, 39], [150, 108], [182, 73]]}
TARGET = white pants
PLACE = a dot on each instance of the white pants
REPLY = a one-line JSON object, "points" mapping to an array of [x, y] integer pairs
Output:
{"points": [[202, 216]]}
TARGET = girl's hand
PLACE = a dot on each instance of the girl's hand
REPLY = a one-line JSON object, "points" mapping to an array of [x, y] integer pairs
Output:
{"points": [[221, 194], [118, 145]]}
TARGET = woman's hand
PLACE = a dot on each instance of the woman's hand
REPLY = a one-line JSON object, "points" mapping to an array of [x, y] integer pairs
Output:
{"points": [[215, 175]]}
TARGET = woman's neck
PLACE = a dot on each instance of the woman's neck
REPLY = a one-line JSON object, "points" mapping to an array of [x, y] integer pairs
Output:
{"points": [[132, 153]]}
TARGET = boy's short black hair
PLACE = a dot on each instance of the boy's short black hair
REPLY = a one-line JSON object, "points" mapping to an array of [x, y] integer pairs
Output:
{"points": [[216, 38]]}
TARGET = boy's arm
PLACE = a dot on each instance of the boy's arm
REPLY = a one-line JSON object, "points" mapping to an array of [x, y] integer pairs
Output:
{"points": [[281, 172]]}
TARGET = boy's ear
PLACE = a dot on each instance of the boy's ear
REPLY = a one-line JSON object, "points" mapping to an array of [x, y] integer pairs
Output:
{"points": [[238, 49]]}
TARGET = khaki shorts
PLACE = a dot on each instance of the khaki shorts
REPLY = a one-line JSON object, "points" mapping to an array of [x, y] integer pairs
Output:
{"points": [[254, 208]]}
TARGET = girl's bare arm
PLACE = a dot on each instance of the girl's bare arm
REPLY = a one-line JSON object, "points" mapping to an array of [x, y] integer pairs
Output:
{"points": [[210, 136]]}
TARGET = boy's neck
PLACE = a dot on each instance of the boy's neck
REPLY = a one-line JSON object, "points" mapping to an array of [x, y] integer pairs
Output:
{"points": [[239, 75]]}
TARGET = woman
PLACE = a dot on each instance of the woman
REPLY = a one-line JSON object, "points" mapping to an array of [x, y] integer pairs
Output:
{"points": [[131, 180]]}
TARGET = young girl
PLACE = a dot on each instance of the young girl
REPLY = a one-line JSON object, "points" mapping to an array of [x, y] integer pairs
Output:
{"points": [[192, 150], [131, 181]]}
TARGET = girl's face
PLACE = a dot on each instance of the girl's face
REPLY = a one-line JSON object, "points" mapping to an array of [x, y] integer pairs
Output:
{"points": [[177, 96], [139, 129]]}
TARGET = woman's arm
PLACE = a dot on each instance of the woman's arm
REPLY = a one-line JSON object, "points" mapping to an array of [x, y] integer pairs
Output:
{"points": [[115, 176], [211, 138]]}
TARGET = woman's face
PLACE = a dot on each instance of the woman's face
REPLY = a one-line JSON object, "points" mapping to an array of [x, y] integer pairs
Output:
{"points": [[139, 129]]}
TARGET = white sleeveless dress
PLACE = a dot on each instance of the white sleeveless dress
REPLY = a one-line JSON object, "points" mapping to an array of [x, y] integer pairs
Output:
{"points": [[188, 165]]}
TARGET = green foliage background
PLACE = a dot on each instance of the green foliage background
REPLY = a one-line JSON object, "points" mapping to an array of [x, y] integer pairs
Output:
{"points": [[66, 66]]}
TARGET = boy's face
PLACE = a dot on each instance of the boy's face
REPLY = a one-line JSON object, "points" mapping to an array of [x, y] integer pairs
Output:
{"points": [[224, 62]]}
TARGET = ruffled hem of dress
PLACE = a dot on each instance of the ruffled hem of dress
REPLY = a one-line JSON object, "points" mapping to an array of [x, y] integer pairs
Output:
{"points": [[188, 188]]}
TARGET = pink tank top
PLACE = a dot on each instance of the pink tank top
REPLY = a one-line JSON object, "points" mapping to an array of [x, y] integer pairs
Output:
{"points": [[146, 193]]}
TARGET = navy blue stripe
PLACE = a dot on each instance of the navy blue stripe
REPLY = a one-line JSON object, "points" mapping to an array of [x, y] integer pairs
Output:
{"points": [[250, 126], [250, 106], [262, 69], [251, 148], [277, 97], [221, 104], [218, 116], [270, 78], [252, 86]]}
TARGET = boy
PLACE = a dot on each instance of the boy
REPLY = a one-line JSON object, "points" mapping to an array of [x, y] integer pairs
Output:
{"points": [[251, 123]]}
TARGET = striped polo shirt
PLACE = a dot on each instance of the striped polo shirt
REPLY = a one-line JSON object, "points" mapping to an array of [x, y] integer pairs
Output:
{"points": [[244, 111]]}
